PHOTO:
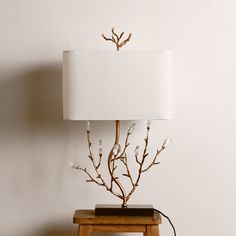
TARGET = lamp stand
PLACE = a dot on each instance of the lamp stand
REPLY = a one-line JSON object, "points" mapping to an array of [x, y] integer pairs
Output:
{"points": [[118, 155], [111, 167]]}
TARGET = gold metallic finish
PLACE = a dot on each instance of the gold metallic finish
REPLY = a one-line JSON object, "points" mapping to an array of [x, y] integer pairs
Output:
{"points": [[116, 39], [120, 158], [112, 166]]}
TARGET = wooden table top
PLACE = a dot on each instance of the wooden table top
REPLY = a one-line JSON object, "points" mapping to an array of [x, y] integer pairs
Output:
{"points": [[88, 217]]}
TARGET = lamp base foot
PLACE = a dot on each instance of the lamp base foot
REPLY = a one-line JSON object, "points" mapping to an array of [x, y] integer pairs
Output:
{"points": [[118, 210]]}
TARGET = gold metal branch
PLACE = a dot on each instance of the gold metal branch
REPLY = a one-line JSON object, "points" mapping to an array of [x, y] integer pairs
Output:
{"points": [[112, 167], [96, 168], [154, 162], [116, 39], [117, 155]]}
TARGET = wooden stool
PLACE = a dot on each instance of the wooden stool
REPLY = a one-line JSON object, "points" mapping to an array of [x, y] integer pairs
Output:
{"points": [[89, 223]]}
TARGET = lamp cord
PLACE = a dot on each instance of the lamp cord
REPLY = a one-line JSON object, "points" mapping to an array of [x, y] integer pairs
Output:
{"points": [[173, 227]]}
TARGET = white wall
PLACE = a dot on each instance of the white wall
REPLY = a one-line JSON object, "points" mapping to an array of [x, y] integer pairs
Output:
{"points": [[195, 183]]}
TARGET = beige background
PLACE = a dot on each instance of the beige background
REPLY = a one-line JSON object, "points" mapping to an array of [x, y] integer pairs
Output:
{"points": [[195, 183]]}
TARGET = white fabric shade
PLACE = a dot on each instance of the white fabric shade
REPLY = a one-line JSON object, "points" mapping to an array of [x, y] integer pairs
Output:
{"points": [[117, 85]]}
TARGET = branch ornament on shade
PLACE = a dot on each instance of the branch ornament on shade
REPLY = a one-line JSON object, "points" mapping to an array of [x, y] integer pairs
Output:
{"points": [[116, 39]]}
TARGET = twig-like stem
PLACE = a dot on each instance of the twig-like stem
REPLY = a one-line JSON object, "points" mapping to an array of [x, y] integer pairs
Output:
{"points": [[125, 41], [113, 32], [112, 167], [90, 151], [123, 157], [126, 143], [99, 176], [99, 162], [136, 158], [141, 170], [115, 38], [145, 154], [91, 179], [154, 162], [128, 174]]}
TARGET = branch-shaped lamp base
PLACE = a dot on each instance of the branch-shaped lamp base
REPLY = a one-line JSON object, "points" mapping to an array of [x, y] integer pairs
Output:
{"points": [[118, 155]]}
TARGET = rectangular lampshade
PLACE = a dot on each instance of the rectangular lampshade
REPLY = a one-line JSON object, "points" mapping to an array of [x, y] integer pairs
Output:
{"points": [[117, 85]]}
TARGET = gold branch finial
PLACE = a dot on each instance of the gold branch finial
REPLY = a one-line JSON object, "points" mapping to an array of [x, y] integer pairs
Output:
{"points": [[116, 39]]}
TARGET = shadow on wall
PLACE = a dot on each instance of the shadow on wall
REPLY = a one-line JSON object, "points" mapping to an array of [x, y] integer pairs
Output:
{"points": [[31, 95], [31, 118], [56, 230], [46, 94]]}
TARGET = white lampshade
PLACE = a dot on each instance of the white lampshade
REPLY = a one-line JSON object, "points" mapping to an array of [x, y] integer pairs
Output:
{"points": [[117, 85]]}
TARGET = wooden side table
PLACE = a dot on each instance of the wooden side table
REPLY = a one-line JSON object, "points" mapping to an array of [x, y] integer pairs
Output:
{"points": [[89, 223]]}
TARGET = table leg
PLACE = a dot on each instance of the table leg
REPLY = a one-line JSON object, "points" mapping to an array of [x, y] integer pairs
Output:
{"points": [[84, 230], [152, 230]]}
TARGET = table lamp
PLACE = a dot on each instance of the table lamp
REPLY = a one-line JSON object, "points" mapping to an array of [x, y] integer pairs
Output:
{"points": [[118, 85]]}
